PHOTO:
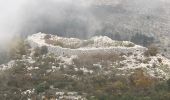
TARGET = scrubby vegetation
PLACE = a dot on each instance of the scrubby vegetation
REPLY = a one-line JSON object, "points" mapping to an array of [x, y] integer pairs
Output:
{"points": [[152, 51], [75, 43], [138, 86], [39, 75], [54, 42], [39, 79], [18, 48], [14, 50]]}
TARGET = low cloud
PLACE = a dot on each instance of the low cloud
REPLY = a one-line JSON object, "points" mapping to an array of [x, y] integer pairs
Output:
{"points": [[73, 18]]}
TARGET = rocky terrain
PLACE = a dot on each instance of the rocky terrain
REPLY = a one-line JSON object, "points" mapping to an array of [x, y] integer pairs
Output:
{"points": [[130, 56], [73, 46], [36, 72]]}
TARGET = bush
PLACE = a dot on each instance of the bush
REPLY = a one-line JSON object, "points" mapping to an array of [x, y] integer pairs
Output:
{"points": [[44, 50], [17, 49], [152, 51], [40, 51], [159, 60], [119, 85], [140, 80], [54, 42], [42, 87], [47, 36], [37, 52]]}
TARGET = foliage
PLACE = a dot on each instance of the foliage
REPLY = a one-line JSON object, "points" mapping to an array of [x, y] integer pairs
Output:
{"points": [[44, 50], [41, 87], [17, 48], [47, 36], [40, 51], [140, 80], [142, 39], [152, 51], [54, 42], [97, 86]]}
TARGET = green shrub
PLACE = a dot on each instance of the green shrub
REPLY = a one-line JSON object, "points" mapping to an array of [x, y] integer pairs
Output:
{"points": [[41, 87]]}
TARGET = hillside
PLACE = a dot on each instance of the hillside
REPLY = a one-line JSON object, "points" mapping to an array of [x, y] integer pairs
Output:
{"points": [[112, 70], [130, 56]]}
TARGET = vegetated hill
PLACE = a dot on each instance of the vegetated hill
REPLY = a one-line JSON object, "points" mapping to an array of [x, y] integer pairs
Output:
{"points": [[37, 73]]}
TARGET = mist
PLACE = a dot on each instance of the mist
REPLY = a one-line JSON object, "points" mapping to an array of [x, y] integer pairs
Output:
{"points": [[8, 19], [69, 18], [79, 18]]}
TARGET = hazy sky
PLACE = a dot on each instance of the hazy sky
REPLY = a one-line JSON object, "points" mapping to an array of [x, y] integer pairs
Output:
{"points": [[11, 10]]}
